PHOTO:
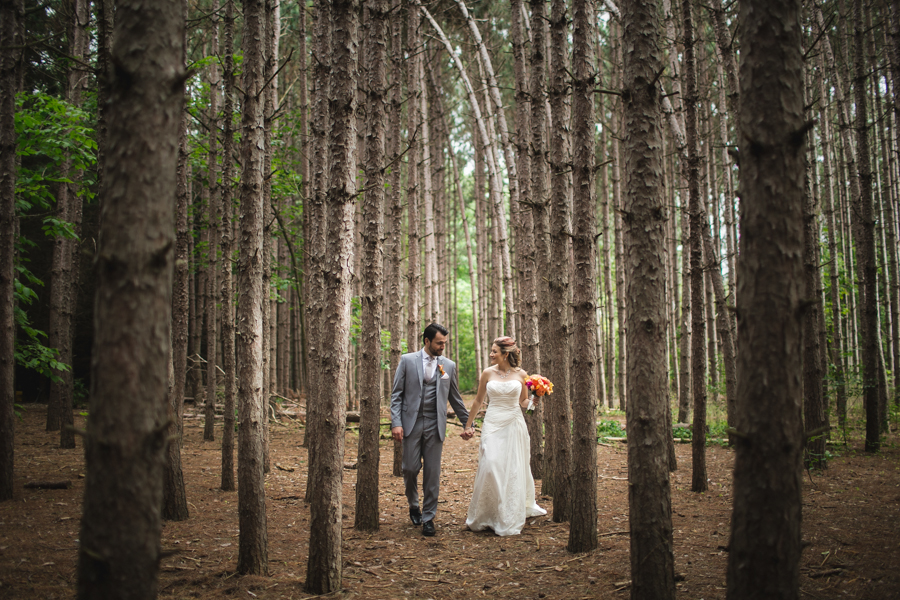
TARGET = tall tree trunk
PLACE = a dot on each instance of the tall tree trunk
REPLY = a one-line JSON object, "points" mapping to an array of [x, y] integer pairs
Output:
{"points": [[214, 218], [765, 532], [414, 133], [65, 272], [367, 513], [394, 242], [583, 528], [11, 13], [837, 345], [813, 394], [864, 215], [697, 211], [557, 343], [175, 507], [525, 246], [227, 292], [127, 434], [540, 206], [649, 493], [324, 567], [253, 539], [618, 161]]}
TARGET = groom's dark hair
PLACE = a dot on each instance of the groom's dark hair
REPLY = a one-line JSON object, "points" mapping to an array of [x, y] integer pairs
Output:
{"points": [[433, 330]]}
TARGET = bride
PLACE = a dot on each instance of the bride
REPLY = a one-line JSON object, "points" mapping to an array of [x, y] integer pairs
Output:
{"points": [[503, 496]]}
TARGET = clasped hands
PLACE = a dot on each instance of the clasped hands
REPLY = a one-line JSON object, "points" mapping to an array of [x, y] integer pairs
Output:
{"points": [[468, 433]]}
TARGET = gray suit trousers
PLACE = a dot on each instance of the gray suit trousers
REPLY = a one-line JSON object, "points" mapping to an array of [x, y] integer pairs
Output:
{"points": [[423, 445]]}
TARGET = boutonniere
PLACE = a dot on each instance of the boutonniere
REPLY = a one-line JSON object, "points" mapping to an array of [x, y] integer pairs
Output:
{"points": [[441, 369]]}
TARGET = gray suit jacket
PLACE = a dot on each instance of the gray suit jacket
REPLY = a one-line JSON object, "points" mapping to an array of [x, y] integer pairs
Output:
{"points": [[406, 395]]}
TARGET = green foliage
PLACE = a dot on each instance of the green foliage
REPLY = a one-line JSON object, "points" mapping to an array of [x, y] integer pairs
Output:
{"points": [[49, 132], [608, 429]]}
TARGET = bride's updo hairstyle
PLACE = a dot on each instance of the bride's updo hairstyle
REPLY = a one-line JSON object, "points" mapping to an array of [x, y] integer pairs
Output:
{"points": [[508, 347]]}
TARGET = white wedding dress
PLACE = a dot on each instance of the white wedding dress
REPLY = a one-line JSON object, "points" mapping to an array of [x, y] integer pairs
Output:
{"points": [[503, 496]]}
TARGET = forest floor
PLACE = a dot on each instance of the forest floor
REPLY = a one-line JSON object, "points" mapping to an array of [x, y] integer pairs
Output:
{"points": [[851, 523]]}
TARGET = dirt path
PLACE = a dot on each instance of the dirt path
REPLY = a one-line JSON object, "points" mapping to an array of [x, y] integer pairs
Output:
{"points": [[851, 518]]}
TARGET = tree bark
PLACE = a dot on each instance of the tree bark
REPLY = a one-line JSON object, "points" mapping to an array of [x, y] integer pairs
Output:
{"points": [[324, 567], [864, 216], [697, 210], [583, 528], [765, 533], [394, 250], [214, 217], [11, 13], [127, 433], [367, 513], [253, 538], [65, 272], [413, 128], [227, 288], [540, 212], [649, 493], [175, 507], [560, 457], [837, 344]]}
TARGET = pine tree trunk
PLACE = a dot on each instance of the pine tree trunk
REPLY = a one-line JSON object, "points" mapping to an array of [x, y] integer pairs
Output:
{"points": [[175, 507], [317, 232], [11, 13], [583, 528], [649, 492], [525, 246], [394, 243], [557, 343], [214, 217], [837, 345], [367, 512], [697, 210], [413, 264], [253, 539], [324, 566], [765, 533], [65, 272], [227, 291], [864, 217], [813, 395], [540, 212], [125, 446]]}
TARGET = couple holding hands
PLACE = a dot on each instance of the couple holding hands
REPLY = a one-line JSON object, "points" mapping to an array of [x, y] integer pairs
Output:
{"points": [[503, 496]]}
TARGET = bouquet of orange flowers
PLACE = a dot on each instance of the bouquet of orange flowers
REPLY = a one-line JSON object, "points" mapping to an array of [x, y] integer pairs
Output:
{"points": [[538, 385]]}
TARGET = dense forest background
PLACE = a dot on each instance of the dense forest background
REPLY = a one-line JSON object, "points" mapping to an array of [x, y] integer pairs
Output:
{"points": [[348, 172]]}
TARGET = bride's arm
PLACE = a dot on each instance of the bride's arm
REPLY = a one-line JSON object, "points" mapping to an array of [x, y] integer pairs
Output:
{"points": [[479, 399], [523, 397]]}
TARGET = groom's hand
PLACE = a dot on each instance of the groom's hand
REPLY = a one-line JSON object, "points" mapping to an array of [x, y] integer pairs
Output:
{"points": [[397, 433]]}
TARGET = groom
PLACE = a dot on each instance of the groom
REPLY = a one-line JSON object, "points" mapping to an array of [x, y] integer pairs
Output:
{"points": [[422, 385]]}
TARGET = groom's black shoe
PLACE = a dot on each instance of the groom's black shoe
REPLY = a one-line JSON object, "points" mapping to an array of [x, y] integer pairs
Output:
{"points": [[415, 515], [428, 528]]}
